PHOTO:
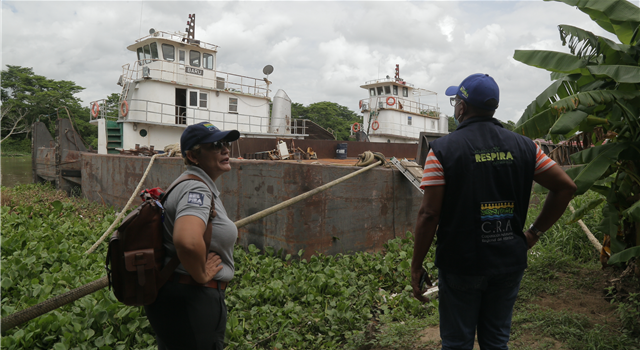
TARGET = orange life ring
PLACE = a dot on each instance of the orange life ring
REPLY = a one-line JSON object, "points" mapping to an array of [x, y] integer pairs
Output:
{"points": [[375, 125], [94, 110], [124, 108], [355, 127], [392, 99]]}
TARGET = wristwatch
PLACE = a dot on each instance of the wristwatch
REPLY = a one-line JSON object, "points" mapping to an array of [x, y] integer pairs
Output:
{"points": [[535, 231]]}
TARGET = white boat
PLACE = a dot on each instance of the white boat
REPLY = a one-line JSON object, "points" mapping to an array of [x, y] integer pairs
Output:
{"points": [[394, 112], [174, 83]]}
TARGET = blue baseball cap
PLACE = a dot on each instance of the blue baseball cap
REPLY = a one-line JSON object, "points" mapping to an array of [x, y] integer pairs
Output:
{"points": [[477, 90], [204, 132]]}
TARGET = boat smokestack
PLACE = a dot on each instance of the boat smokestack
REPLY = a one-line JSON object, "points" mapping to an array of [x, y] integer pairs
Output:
{"points": [[281, 114]]}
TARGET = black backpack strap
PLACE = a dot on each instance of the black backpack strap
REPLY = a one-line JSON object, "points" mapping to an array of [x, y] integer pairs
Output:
{"points": [[174, 262]]}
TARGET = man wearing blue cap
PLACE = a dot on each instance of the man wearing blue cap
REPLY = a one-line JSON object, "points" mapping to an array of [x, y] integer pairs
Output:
{"points": [[477, 182]]}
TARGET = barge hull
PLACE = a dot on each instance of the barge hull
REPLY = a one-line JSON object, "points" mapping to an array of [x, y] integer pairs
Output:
{"points": [[360, 214]]}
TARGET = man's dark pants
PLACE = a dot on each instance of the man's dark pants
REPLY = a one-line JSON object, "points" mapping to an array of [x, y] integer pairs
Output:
{"points": [[485, 302]]}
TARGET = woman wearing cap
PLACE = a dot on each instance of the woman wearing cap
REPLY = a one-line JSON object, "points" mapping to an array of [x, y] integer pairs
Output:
{"points": [[190, 312]]}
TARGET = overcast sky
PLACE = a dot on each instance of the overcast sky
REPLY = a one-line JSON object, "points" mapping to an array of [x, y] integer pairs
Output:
{"points": [[321, 50]]}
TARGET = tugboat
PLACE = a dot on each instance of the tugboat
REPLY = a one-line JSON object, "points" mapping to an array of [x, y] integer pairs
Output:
{"points": [[394, 112], [174, 83]]}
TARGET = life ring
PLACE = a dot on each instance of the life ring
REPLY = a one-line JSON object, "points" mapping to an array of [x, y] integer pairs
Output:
{"points": [[94, 110], [355, 127], [375, 125], [391, 100], [124, 108]]}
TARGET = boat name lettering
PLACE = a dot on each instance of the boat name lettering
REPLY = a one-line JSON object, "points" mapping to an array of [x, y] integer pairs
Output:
{"points": [[194, 70]]}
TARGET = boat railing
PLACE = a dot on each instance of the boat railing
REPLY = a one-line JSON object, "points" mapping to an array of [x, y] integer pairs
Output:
{"points": [[388, 80], [400, 104], [178, 37], [158, 113], [175, 73], [103, 110], [388, 127]]}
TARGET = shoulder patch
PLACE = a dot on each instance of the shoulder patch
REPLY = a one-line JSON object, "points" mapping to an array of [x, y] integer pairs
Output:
{"points": [[196, 198]]}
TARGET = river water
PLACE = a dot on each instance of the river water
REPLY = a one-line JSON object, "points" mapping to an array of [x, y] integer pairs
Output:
{"points": [[15, 170]]}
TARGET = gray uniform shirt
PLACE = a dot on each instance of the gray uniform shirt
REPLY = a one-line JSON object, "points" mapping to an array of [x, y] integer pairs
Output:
{"points": [[194, 198]]}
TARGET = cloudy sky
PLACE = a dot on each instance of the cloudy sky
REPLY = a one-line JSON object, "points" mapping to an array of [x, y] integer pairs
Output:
{"points": [[321, 50]]}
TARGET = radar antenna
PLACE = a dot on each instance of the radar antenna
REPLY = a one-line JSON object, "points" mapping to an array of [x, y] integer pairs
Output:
{"points": [[191, 29]]}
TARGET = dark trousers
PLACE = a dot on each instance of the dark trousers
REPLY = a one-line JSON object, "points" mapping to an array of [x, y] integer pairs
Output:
{"points": [[484, 303], [188, 317]]}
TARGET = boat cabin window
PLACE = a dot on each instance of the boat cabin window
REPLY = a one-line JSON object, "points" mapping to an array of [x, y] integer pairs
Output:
{"points": [[409, 120], [147, 54], [395, 90], [233, 105], [387, 90], [154, 51], [203, 100], [207, 61], [379, 88], [168, 52], [372, 92], [194, 58], [193, 99], [220, 83], [140, 55], [433, 124], [405, 92], [181, 56]]}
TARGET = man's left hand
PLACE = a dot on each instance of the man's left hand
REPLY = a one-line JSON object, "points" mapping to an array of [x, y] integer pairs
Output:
{"points": [[532, 239], [416, 275]]}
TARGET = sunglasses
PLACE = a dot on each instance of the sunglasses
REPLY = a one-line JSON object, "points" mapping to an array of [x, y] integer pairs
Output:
{"points": [[217, 146], [454, 100]]}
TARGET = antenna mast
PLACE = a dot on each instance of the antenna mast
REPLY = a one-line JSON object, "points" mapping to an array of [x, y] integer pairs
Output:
{"points": [[191, 29]]}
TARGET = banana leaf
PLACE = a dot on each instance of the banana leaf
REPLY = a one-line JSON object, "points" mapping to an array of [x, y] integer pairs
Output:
{"points": [[633, 212], [624, 255], [590, 154], [567, 122], [591, 98], [615, 53], [598, 163], [609, 223], [538, 125], [580, 212], [614, 16], [619, 73], [581, 42], [551, 60], [543, 99], [603, 190]]}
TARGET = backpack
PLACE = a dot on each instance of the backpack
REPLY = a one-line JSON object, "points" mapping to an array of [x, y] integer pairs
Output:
{"points": [[136, 253]]}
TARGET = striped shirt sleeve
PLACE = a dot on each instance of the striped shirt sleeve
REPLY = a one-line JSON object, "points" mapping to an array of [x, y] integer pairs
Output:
{"points": [[543, 162], [433, 174]]}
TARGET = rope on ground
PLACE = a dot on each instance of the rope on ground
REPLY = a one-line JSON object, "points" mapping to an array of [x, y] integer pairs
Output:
{"points": [[590, 235], [368, 158], [42, 308], [126, 207]]}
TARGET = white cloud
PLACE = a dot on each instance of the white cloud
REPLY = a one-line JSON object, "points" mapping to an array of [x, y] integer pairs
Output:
{"points": [[321, 51]]}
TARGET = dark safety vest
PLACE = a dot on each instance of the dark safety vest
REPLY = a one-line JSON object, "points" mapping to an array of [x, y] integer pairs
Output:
{"points": [[488, 172]]}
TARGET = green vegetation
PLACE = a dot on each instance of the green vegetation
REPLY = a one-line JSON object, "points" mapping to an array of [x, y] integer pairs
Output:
{"points": [[595, 101], [353, 301], [335, 118], [274, 302]]}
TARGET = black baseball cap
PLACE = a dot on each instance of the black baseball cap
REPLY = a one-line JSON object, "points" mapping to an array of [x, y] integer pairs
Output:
{"points": [[204, 132]]}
